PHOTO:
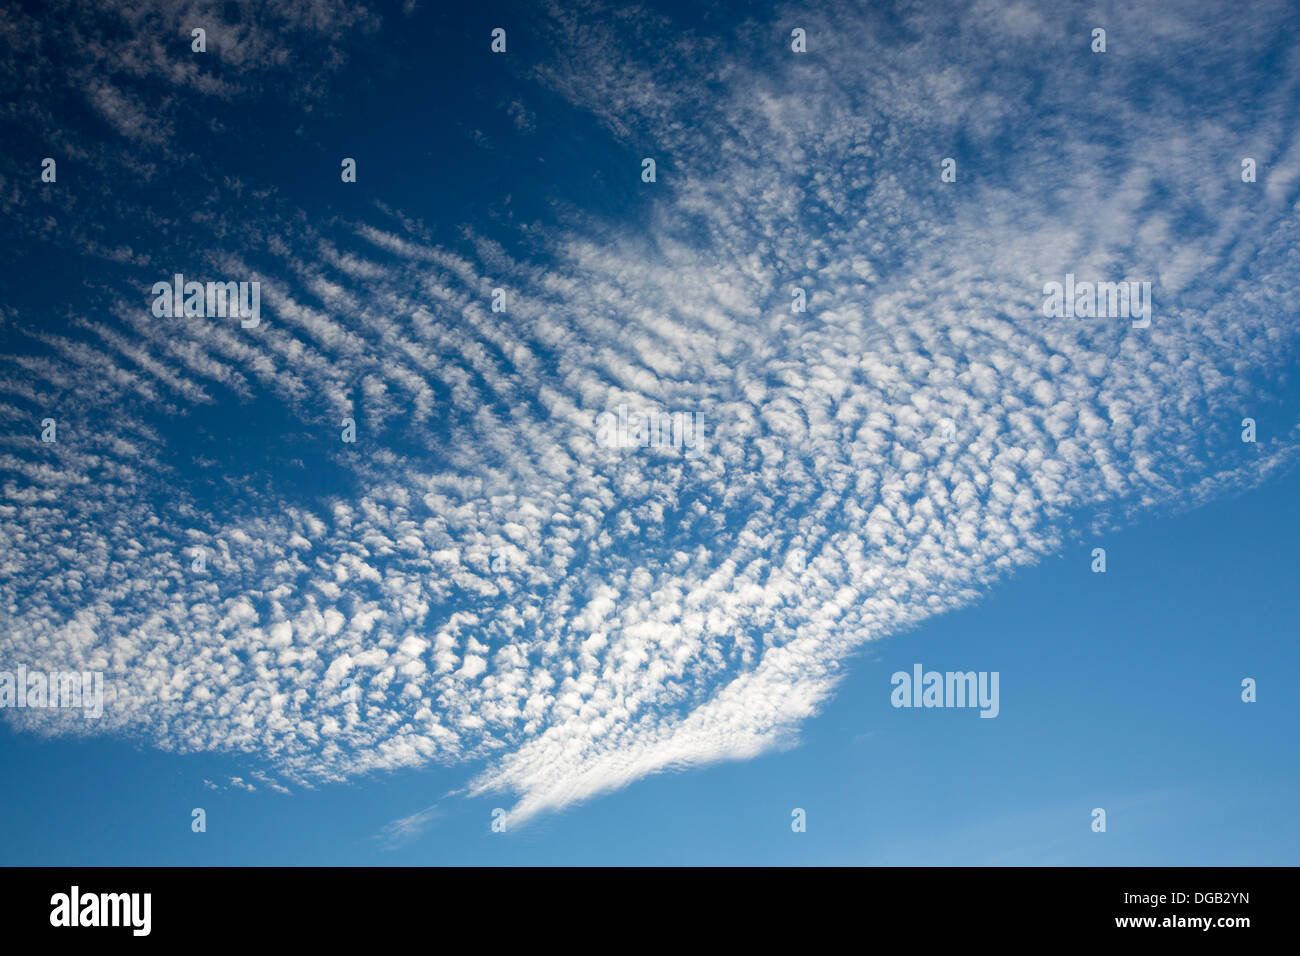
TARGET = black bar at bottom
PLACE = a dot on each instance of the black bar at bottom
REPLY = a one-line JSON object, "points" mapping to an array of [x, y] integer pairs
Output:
{"points": [[338, 906]]}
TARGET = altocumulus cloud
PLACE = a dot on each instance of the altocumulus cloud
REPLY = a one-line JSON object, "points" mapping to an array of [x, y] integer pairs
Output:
{"points": [[476, 577]]}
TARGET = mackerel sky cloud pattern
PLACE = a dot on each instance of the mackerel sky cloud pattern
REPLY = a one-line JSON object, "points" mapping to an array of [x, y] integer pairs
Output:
{"points": [[499, 588]]}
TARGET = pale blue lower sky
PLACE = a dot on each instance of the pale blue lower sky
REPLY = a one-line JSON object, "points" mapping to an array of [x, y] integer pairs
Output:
{"points": [[1119, 691]]}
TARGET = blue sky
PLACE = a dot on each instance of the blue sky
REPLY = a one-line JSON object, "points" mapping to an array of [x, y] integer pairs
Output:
{"points": [[1096, 713], [640, 654]]}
